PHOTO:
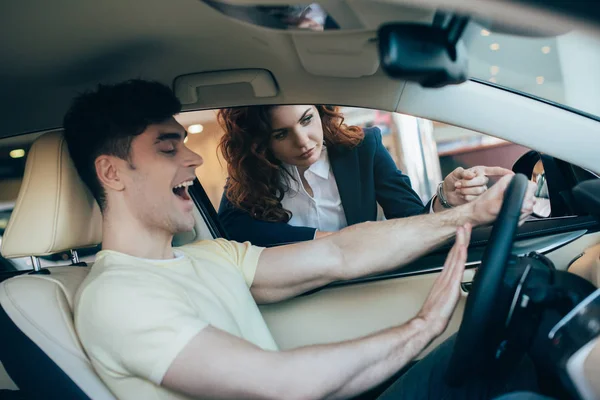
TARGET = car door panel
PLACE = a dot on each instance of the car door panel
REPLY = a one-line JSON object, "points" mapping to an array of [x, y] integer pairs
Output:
{"points": [[348, 310]]}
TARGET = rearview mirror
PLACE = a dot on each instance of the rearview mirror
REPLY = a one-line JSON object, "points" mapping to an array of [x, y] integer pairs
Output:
{"points": [[430, 55]]}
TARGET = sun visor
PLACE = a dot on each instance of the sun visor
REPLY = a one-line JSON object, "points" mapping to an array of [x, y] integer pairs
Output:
{"points": [[340, 55]]}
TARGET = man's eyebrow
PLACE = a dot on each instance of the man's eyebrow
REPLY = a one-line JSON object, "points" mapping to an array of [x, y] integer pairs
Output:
{"points": [[300, 119], [170, 136]]}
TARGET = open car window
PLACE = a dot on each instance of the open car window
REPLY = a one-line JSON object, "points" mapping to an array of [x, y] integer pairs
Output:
{"points": [[426, 151]]}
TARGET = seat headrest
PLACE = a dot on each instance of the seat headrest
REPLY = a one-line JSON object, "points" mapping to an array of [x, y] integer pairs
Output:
{"points": [[55, 211]]}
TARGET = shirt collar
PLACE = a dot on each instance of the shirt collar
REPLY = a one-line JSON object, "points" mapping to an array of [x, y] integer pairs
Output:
{"points": [[321, 167]]}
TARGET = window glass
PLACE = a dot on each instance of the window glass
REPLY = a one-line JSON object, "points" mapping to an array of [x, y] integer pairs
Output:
{"points": [[426, 151], [204, 134], [560, 68]]}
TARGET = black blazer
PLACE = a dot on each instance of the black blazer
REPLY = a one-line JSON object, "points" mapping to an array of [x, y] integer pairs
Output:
{"points": [[365, 175]]}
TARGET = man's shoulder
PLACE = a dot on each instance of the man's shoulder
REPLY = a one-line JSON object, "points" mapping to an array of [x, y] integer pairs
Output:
{"points": [[203, 244], [204, 247], [112, 284], [218, 246]]}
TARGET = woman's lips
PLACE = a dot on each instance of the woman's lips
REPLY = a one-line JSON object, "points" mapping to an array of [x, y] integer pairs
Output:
{"points": [[307, 154]]}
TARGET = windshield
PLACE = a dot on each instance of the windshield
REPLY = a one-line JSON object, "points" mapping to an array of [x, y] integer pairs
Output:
{"points": [[564, 69]]}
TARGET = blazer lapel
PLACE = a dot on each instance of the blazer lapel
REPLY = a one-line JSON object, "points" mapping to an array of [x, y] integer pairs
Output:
{"points": [[344, 164]]}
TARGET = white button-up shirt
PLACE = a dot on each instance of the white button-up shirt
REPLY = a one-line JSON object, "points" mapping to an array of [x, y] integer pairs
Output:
{"points": [[323, 210]]}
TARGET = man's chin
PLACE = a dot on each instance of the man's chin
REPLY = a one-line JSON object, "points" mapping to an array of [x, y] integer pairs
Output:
{"points": [[184, 225], [182, 231]]}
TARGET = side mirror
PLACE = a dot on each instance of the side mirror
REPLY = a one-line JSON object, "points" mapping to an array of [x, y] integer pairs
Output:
{"points": [[542, 206], [431, 55], [531, 165]]}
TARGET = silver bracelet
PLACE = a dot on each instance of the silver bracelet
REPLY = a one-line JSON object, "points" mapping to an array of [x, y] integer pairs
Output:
{"points": [[442, 197]]}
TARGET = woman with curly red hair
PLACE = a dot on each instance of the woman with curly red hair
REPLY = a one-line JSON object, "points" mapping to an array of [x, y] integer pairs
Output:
{"points": [[298, 172]]}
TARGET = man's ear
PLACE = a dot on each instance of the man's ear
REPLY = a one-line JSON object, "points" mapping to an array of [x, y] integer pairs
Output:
{"points": [[107, 170]]}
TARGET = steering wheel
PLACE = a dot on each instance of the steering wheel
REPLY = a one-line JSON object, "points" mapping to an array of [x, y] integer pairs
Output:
{"points": [[476, 344]]}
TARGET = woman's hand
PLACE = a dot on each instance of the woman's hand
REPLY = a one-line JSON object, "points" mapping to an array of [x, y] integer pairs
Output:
{"points": [[465, 185]]}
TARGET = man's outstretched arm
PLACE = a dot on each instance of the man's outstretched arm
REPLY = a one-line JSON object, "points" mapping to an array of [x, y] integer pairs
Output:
{"points": [[216, 364], [369, 248]]}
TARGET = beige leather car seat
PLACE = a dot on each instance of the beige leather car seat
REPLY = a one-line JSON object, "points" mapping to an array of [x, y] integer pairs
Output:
{"points": [[54, 212]]}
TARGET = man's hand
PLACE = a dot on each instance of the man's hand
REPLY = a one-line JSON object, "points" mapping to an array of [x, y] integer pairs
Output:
{"points": [[444, 294], [465, 185], [486, 207]]}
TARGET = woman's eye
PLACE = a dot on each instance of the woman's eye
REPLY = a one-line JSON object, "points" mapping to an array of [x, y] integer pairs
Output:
{"points": [[279, 136], [306, 120]]}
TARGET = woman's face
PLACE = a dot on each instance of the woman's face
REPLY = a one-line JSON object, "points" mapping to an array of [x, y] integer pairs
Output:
{"points": [[297, 136]]}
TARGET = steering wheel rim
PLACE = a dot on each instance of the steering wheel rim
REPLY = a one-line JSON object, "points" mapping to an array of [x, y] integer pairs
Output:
{"points": [[475, 344]]}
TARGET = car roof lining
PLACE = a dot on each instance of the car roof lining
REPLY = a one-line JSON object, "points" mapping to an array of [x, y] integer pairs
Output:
{"points": [[69, 47]]}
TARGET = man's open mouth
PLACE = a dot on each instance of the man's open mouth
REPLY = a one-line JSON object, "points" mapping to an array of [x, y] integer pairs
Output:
{"points": [[181, 190]]}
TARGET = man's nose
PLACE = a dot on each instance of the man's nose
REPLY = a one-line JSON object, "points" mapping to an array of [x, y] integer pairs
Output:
{"points": [[192, 159]]}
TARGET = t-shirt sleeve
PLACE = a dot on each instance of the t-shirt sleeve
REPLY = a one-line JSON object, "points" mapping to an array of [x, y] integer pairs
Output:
{"points": [[243, 256], [139, 324]]}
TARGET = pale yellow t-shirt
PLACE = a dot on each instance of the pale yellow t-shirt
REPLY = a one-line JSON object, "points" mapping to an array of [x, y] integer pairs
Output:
{"points": [[134, 315]]}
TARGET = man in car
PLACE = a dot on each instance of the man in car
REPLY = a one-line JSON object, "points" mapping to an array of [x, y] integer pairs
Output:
{"points": [[164, 322]]}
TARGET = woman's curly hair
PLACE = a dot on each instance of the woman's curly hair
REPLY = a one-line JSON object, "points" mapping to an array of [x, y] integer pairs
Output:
{"points": [[257, 181]]}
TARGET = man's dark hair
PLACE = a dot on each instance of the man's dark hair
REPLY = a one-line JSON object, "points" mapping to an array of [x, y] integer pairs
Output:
{"points": [[105, 121]]}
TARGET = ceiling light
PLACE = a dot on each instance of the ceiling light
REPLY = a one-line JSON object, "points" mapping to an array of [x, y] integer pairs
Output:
{"points": [[196, 128], [186, 139], [17, 153], [493, 79], [494, 46], [494, 69], [539, 80], [546, 49], [485, 32]]}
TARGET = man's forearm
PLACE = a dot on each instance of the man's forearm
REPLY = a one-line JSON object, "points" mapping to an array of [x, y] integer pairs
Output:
{"points": [[375, 247], [356, 251], [384, 353], [216, 364], [406, 342]]}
